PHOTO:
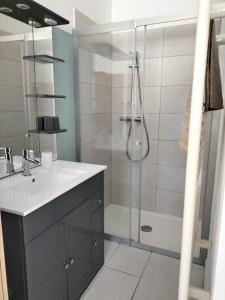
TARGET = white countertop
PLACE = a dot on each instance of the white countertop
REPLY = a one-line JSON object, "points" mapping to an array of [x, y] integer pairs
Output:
{"points": [[23, 195]]}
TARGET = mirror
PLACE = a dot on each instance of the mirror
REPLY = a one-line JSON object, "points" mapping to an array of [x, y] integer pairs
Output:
{"points": [[26, 90], [14, 112], [36, 84]]}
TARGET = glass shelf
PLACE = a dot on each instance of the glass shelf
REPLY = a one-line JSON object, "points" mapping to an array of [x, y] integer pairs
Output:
{"points": [[43, 59], [35, 131], [41, 96]]}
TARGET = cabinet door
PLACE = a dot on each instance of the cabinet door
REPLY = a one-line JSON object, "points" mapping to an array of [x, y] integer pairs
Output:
{"points": [[45, 264], [98, 239], [79, 250]]}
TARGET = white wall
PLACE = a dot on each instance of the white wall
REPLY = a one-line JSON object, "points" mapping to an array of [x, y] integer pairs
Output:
{"points": [[99, 11], [135, 9]]}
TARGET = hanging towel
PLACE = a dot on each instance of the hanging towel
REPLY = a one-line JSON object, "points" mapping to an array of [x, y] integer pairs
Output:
{"points": [[213, 87], [183, 140]]}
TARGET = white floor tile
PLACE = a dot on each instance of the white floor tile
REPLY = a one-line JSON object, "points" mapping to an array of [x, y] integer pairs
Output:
{"points": [[112, 285], [129, 260], [161, 277], [110, 248]]}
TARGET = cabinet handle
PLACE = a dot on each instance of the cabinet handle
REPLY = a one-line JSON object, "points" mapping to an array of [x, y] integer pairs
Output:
{"points": [[95, 243], [72, 261], [66, 266], [98, 201]]}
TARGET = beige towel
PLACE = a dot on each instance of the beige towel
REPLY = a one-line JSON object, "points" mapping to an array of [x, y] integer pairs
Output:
{"points": [[183, 140], [213, 87]]}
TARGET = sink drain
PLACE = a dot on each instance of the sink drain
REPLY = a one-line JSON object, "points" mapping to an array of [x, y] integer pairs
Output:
{"points": [[146, 228]]}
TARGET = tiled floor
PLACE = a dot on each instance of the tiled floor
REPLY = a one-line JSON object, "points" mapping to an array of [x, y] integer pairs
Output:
{"points": [[131, 273]]}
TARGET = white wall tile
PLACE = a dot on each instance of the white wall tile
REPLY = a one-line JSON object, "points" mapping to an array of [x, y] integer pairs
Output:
{"points": [[171, 155], [10, 73], [85, 66], [148, 176], [121, 74], [119, 149], [153, 71], [121, 172], [177, 70], [12, 99], [122, 194], [153, 153], [179, 40], [170, 126], [151, 100], [119, 128], [174, 99], [11, 124], [11, 50], [15, 142], [154, 43], [86, 98], [171, 203], [171, 179], [152, 122], [121, 100], [148, 198]]}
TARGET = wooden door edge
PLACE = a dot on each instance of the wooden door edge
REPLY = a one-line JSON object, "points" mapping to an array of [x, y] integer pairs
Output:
{"points": [[3, 277]]}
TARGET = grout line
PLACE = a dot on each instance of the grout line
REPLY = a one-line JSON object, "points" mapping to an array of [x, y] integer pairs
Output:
{"points": [[114, 269], [92, 282], [145, 267], [114, 251]]}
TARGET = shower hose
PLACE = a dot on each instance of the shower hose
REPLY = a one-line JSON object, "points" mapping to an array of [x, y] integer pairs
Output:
{"points": [[144, 121]]}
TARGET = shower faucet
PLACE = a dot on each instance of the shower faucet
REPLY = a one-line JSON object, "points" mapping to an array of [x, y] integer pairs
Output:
{"points": [[129, 119]]}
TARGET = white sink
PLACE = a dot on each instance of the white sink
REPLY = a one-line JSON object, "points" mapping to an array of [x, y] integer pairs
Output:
{"points": [[46, 181], [23, 195]]}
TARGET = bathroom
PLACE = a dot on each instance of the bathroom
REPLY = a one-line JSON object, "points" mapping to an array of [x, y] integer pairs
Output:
{"points": [[114, 203]]}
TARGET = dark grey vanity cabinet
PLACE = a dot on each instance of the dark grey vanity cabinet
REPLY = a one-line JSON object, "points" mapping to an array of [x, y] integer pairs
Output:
{"points": [[54, 252]]}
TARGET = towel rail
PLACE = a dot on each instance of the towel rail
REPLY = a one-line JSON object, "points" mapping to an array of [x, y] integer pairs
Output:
{"points": [[206, 12], [194, 147], [220, 38], [218, 10]]}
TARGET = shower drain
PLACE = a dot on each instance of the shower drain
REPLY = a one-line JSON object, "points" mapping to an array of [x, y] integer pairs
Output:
{"points": [[146, 228]]}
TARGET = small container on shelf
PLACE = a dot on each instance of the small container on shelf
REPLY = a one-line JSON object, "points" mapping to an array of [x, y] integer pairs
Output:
{"points": [[56, 123], [48, 123]]}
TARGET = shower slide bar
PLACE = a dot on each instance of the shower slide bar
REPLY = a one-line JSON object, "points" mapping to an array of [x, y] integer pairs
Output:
{"points": [[207, 11]]}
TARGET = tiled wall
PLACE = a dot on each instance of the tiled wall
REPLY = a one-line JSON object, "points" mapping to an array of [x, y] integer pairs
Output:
{"points": [[168, 78], [12, 116], [96, 110]]}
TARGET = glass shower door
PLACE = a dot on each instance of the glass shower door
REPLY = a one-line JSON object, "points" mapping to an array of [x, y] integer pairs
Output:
{"points": [[166, 68], [106, 100]]}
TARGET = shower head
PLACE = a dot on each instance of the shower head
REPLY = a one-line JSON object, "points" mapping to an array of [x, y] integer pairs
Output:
{"points": [[131, 53]]}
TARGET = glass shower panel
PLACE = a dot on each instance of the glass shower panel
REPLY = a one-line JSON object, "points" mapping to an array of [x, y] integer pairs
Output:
{"points": [[105, 111], [167, 80]]}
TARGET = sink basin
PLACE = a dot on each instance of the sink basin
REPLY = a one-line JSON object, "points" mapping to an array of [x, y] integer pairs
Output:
{"points": [[46, 181]]}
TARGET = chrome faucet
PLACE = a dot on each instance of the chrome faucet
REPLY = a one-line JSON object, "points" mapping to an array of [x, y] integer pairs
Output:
{"points": [[28, 157], [9, 160]]}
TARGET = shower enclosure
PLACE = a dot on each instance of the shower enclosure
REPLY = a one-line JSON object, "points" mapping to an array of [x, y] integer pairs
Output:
{"points": [[133, 81]]}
